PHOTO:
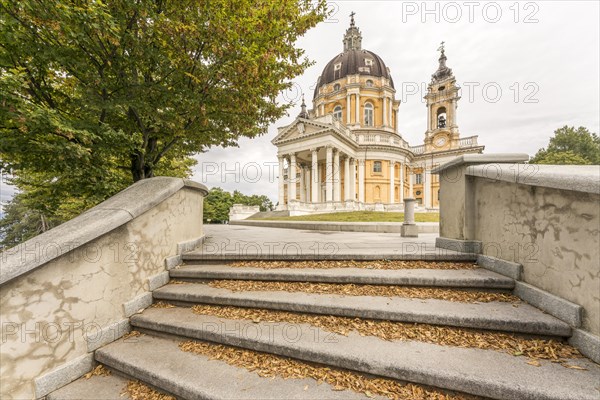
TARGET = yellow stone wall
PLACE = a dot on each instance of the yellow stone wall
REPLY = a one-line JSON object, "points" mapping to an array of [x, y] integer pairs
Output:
{"points": [[367, 94]]}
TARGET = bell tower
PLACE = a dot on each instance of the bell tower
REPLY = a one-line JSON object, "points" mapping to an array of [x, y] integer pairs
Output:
{"points": [[442, 101]]}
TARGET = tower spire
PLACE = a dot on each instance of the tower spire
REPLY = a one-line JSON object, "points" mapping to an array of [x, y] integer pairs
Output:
{"points": [[443, 71], [353, 37], [303, 112]]}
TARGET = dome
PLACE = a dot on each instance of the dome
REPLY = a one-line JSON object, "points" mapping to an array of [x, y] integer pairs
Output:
{"points": [[354, 62]]}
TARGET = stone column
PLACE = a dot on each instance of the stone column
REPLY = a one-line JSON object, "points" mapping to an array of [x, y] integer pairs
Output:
{"points": [[314, 184], [302, 188], [292, 178], [391, 109], [357, 116], [392, 182], [307, 184], [329, 174], [320, 198], [401, 189], [361, 181], [426, 187], [281, 198], [346, 178], [409, 228], [411, 177], [337, 182], [352, 181], [384, 120], [347, 109]]}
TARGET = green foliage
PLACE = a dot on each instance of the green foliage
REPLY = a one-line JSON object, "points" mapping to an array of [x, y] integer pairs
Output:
{"points": [[21, 222], [95, 95], [570, 146], [218, 202]]}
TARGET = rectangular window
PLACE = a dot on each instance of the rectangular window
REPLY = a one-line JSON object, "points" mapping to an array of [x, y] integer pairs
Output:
{"points": [[377, 167], [418, 179]]}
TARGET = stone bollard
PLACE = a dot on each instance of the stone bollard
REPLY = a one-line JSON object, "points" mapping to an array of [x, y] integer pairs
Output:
{"points": [[409, 228]]}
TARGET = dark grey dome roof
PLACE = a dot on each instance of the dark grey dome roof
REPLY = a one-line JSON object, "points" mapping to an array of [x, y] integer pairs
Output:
{"points": [[352, 63]]}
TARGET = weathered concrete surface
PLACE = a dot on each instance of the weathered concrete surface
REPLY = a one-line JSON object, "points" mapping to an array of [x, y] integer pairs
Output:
{"points": [[49, 315], [494, 315], [456, 191], [554, 234], [588, 344], [62, 375], [464, 246], [226, 242], [480, 372], [466, 278], [374, 227], [575, 178], [105, 217], [560, 308], [109, 387], [193, 376], [506, 268]]}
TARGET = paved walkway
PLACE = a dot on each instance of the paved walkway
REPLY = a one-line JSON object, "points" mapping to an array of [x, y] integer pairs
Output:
{"points": [[252, 241]]}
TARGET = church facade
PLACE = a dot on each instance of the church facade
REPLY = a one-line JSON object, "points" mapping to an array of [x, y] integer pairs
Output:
{"points": [[346, 153]]}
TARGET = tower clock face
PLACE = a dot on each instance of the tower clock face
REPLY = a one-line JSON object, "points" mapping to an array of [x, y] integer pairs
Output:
{"points": [[440, 141]]}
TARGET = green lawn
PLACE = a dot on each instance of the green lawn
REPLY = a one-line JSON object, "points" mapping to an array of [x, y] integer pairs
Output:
{"points": [[360, 216]]}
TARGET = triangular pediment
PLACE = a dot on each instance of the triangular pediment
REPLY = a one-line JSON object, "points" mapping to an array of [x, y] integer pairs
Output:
{"points": [[300, 128]]}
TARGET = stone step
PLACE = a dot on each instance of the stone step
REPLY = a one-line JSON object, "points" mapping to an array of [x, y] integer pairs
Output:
{"points": [[501, 316], [190, 376], [462, 278], [485, 373], [109, 387], [218, 254]]}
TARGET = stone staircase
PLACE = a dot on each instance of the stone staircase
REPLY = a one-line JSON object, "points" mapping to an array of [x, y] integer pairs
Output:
{"points": [[308, 315]]}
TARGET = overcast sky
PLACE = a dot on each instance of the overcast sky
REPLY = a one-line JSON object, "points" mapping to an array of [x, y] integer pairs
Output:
{"points": [[543, 57]]}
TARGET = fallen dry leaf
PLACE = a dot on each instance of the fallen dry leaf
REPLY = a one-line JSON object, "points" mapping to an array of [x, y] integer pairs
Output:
{"points": [[377, 264], [351, 289], [270, 366], [136, 390], [100, 370], [547, 349]]}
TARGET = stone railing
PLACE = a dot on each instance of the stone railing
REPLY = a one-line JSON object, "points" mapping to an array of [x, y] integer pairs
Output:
{"points": [[417, 149], [470, 141], [381, 138], [240, 211], [544, 217], [72, 289], [301, 208]]}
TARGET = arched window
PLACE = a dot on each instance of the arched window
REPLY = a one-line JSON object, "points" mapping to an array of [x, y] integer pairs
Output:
{"points": [[377, 167], [337, 112], [336, 87], [368, 114], [441, 117], [369, 83]]}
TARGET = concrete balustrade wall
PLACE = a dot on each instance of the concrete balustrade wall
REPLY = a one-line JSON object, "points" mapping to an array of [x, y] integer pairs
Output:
{"points": [[71, 290], [544, 217]]}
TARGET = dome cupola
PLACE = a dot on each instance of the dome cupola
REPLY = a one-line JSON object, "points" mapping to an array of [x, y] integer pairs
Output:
{"points": [[354, 60]]}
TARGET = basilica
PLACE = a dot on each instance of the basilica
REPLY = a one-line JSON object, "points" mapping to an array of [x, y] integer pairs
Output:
{"points": [[346, 153]]}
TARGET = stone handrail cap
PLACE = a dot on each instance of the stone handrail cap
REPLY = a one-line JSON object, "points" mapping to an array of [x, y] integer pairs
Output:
{"points": [[466, 159], [95, 222], [577, 178]]}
